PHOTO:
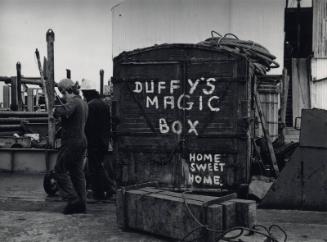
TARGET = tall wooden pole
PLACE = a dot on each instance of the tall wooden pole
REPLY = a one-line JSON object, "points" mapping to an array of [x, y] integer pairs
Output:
{"points": [[13, 105], [50, 37], [19, 86], [68, 74], [101, 81]]}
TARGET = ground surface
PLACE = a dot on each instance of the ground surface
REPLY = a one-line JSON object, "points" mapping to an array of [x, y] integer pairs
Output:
{"points": [[27, 215]]}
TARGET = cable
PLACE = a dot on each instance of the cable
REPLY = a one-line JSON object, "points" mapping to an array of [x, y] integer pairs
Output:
{"points": [[261, 59], [223, 234], [282, 230]]}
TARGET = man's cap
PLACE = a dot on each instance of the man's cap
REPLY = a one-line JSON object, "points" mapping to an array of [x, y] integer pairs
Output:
{"points": [[65, 84]]}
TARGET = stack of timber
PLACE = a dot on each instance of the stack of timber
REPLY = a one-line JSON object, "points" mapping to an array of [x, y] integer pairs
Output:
{"points": [[177, 215], [14, 124]]}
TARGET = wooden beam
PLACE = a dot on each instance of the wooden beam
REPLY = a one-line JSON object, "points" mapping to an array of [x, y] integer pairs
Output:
{"points": [[283, 105], [266, 134], [19, 86], [68, 73], [101, 81], [6, 96], [50, 37], [30, 99], [13, 105]]}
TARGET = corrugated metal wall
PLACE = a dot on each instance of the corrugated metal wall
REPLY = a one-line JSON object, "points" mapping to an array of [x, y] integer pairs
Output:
{"points": [[318, 69], [320, 28], [319, 62], [319, 94], [142, 23], [300, 86], [319, 83]]}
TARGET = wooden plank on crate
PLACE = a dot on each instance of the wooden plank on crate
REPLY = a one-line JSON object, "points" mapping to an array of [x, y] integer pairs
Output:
{"points": [[120, 200], [208, 200], [214, 217], [154, 210], [229, 214], [245, 212]]}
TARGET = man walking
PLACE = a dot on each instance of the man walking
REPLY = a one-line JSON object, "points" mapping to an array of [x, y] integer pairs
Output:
{"points": [[69, 167], [98, 134]]}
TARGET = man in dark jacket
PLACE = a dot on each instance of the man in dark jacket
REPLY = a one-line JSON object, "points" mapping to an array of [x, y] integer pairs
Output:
{"points": [[97, 131], [70, 161]]}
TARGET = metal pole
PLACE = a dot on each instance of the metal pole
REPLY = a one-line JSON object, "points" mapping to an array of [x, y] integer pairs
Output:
{"points": [[19, 86], [101, 81]]}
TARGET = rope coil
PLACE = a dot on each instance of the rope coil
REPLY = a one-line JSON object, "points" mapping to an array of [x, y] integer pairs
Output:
{"points": [[257, 55]]}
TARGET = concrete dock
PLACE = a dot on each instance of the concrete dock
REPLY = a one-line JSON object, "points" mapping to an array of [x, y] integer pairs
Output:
{"points": [[26, 214]]}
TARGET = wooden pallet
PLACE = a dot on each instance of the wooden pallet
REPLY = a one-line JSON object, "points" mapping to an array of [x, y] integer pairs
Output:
{"points": [[174, 215]]}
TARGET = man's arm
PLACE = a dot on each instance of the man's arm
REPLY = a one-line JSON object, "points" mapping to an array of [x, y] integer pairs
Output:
{"points": [[65, 110]]}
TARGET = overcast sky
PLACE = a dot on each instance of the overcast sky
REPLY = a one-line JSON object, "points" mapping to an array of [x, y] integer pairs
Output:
{"points": [[82, 36]]}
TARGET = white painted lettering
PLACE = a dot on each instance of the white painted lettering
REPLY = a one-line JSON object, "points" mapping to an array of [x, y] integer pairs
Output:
{"points": [[188, 106], [216, 180], [176, 127], [192, 167], [200, 103], [199, 157], [169, 100], [138, 87], [163, 127], [191, 178], [149, 87], [192, 157], [201, 167], [207, 180], [192, 127], [210, 85], [216, 109], [161, 86], [153, 102], [207, 157], [222, 166], [193, 85], [198, 179], [174, 85], [217, 157]]}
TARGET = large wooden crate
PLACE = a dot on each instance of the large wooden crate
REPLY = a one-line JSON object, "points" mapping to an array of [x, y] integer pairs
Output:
{"points": [[185, 117], [175, 215]]}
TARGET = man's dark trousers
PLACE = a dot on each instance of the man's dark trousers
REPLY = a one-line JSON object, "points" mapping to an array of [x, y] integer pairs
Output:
{"points": [[71, 160]]}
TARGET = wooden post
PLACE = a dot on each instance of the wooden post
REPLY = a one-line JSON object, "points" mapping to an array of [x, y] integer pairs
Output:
{"points": [[19, 86], [283, 105], [30, 99], [50, 37], [13, 105], [6, 96], [266, 134], [101, 81], [68, 74]]}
